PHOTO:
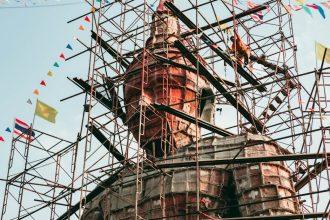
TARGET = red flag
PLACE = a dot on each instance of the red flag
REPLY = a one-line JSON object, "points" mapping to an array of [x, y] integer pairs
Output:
{"points": [[43, 83], [312, 6], [62, 56], [87, 19], [1, 139]]}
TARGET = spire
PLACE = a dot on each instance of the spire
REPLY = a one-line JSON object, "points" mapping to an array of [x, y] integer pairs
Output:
{"points": [[165, 25]]}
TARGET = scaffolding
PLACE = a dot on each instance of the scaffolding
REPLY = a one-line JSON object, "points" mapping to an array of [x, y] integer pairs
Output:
{"points": [[268, 97]]}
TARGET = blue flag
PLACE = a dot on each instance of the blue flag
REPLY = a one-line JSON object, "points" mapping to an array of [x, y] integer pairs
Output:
{"points": [[69, 47], [8, 130]]}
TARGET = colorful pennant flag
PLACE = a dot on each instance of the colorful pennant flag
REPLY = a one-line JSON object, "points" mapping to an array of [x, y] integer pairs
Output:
{"points": [[50, 73], [1, 139], [29, 101], [320, 50], [312, 6], [296, 7], [300, 1], [62, 56], [87, 19], [288, 8], [36, 92], [81, 27], [56, 64], [43, 83], [22, 129], [69, 47], [326, 4], [224, 26], [45, 111], [321, 11], [301, 101], [308, 10], [8, 130], [255, 16]]}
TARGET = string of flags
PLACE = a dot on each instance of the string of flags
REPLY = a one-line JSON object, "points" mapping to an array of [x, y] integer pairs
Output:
{"points": [[290, 8], [49, 113], [309, 7], [42, 109]]}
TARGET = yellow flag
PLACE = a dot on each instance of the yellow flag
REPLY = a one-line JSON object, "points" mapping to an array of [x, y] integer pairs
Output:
{"points": [[300, 1], [45, 111], [50, 73], [320, 49]]}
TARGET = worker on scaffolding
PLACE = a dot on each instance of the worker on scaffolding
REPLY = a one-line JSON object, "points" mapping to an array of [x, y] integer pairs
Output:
{"points": [[240, 49]]}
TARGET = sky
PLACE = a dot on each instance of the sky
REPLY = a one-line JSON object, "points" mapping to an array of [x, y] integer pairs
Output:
{"points": [[32, 39]]}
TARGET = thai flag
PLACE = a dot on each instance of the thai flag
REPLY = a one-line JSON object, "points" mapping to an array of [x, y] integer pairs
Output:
{"points": [[23, 130]]}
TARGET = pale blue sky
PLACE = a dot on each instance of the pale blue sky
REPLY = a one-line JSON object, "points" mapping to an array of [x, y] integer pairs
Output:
{"points": [[32, 39]]}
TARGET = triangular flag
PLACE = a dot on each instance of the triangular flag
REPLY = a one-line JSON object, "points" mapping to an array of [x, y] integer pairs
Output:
{"points": [[300, 1], [50, 73], [321, 11], [69, 47], [62, 56], [8, 130], [296, 7], [56, 64], [288, 9], [308, 10], [1, 139], [36, 92], [87, 19], [312, 6], [29, 101], [301, 101], [326, 4], [43, 83], [81, 27]]}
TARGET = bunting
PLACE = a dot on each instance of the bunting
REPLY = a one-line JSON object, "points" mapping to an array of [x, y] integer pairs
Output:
{"points": [[36, 92], [257, 17], [308, 7], [326, 4], [308, 10], [321, 11], [50, 73], [49, 113], [43, 83], [62, 56], [87, 19], [69, 47]]}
